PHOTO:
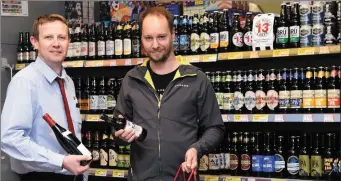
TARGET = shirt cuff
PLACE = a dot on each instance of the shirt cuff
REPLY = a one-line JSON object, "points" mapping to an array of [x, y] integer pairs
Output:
{"points": [[56, 159]]}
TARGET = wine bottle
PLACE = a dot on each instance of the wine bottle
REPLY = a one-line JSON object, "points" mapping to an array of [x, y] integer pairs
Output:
{"points": [[67, 140], [122, 123]]}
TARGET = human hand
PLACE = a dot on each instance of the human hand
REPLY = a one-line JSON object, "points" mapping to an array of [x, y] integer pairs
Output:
{"points": [[191, 160], [72, 163], [127, 134]]}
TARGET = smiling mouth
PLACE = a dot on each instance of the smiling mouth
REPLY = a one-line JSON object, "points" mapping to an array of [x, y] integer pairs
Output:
{"points": [[56, 52]]}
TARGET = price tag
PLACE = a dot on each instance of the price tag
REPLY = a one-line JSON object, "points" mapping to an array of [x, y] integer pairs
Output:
{"points": [[306, 51], [334, 49], [277, 179], [328, 118], [209, 58], [97, 63], [260, 118], [279, 118], [225, 117], [193, 58], [241, 118], [93, 117], [101, 173], [113, 63], [235, 55], [307, 118], [248, 179], [254, 54], [324, 50], [262, 31], [232, 179], [118, 173], [77, 64], [280, 53], [211, 178], [127, 62], [20, 66], [140, 61]]}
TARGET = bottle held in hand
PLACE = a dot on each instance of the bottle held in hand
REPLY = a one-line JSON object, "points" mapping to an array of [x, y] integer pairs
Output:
{"points": [[67, 140], [122, 123]]}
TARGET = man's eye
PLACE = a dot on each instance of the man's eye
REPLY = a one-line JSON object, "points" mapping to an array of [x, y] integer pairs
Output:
{"points": [[149, 38], [49, 37], [162, 37]]}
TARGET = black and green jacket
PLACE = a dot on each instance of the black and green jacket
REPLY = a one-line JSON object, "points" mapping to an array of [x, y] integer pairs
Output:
{"points": [[188, 108]]}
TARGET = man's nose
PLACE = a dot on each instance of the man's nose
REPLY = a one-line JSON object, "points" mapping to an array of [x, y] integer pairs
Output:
{"points": [[155, 44], [56, 42]]}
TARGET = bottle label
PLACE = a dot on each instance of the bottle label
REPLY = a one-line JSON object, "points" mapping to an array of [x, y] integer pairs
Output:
{"points": [[95, 155], [104, 157], [336, 166], [26, 56], [136, 46], [111, 102], [195, 42], [85, 104], [333, 98], [227, 161], [317, 12], [76, 49], [238, 101], [112, 158], [93, 102], [308, 99], [272, 99], [100, 48], [248, 38], [176, 43], [20, 57], [137, 129], [222, 161], [83, 150], [127, 46], [305, 36], [214, 163], [184, 42], [203, 163], [110, 47], [250, 100], [69, 50], [305, 13], [260, 99], [284, 99], [316, 166], [328, 165], [126, 161], [320, 98], [237, 39], [84, 48], [92, 49], [204, 41], [283, 35], [268, 164], [120, 161], [245, 162], [304, 165], [228, 101], [33, 55], [257, 163], [103, 102], [224, 39], [296, 98], [294, 34], [318, 35], [279, 163], [293, 165], [233, 161], [219, 96], [214, 40], [118, 47]]}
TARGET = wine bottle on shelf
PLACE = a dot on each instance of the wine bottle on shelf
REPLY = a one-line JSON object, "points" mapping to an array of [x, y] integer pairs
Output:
{"points": [[67, 140], [122, 123]]}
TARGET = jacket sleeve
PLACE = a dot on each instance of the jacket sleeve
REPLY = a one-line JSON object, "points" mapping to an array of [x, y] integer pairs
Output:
{"points": [[123, 104], [210, 121]]}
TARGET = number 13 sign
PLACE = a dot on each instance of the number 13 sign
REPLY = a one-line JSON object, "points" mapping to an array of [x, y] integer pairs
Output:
{"points": [[263, 32]]}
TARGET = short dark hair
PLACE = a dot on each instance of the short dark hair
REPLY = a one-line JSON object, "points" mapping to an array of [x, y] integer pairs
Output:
{"points": [[46, 19], [159, 11]]}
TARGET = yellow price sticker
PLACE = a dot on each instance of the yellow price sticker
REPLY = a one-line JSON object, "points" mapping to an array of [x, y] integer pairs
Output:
{"points": [[260, 118], [209, 58], [193, 58], [92, 117], [77, 64], [235, 55], [211, 178], [277, 179], [324, 50], [118, 173], [254, 54], [232, 179], [240, 118], [97, 63], [20, 66], [306, 51], [280, 53], [101, 172]]}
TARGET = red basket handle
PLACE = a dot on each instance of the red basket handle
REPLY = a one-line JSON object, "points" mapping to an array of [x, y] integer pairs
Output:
{"points": [[193, 173]]}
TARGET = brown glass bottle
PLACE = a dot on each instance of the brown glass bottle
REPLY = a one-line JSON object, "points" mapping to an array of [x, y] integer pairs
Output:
{"points": [[234, 158], [316, 159], [272, 99], [245, 157], [333, 91], [320, 91], [304, 158], [95, 151], [104, 151], [93, 94]]}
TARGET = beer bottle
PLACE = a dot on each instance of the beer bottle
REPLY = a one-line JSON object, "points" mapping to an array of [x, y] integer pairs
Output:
{"points": [[308, 92], [293, 162], [85, 97], [204, 36], [295, 27], [336, 158], [214, 34], [284, 93], [112, 147], [77, 43], [176, 33], [218, 91], [260, 93], [328, 159], [272, 93], [184, 37], [237, 34], [195, 39], [111, 99], [304, 159], [95, 151], [238, 102], [101, 42], [135, 39], [102, 96], [317, 12], [226, 152], [26, 58], [93, 96], [247, 31], [296, 93], [203, 164], [118, 41], [257, 156], [224, 38], [110, 43], [316, 159], [282, 29], [214, 164], [78, 90], [245, 157], [228, 94], [268, 160], [234, 159], [85, 43], [320, 91], [127, 156], [92, 42], [70, 49], [20, 48], [127, 40], [250, 96], [330, 32], [279, 159], [33, 53], [104, 151], [88, 139], [120, 157], [240, 141], [333, 91]]}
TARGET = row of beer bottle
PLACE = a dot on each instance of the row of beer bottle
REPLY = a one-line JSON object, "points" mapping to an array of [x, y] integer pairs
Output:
{"points": [[26, 53]]}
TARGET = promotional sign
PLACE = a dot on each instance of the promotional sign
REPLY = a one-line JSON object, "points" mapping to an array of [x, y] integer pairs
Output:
{"points": [[263, 32]]}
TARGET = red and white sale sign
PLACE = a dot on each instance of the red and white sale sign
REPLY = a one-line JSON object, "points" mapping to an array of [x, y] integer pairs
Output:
{"points": [[263, 32]]}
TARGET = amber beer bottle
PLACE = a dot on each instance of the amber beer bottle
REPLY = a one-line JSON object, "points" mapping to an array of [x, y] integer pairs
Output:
{"points": [[250, 96], [333, 91], [224, 38], [304, 158], [316, 159], [272, 101], [245, 157], [104, 151], [296, 93], [234, 159], [308, 92], [284, 93], [95, 151], [320, 91], [328, 159], [113, 149], [237, 34], [248, 32], [127, 40]]}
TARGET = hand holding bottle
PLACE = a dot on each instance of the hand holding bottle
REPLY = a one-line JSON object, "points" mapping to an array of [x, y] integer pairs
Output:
{"points": [[72, 163]]}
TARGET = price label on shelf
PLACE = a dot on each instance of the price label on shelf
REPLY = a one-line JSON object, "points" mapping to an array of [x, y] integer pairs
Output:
{"points": [[118, 173], [307, 118], [127, 62], [96, 63], [280, 53], [101, 173], [260, 118], [227, 178], [140, 61], [277, 179], [209, 58], [324, 50], [279, 118], [328, 118], [113, 63], [193, 58], [93, 117], [235, 55], [254, 54], [226, 117], [306, 51], [241, 118], [20, 66], [211, 178]]}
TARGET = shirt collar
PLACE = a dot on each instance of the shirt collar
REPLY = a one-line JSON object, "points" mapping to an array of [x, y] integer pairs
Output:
{"points": [[49, 74]]}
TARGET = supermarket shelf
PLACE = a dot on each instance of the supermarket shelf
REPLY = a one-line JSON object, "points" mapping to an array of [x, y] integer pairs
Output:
{"points": [[255, 117], [108, 173], [236, 178]]}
